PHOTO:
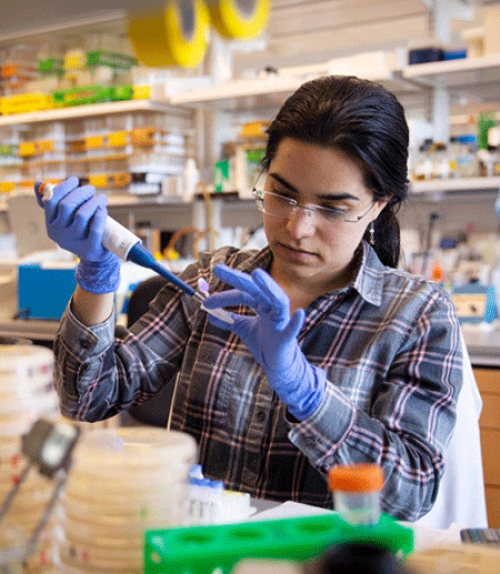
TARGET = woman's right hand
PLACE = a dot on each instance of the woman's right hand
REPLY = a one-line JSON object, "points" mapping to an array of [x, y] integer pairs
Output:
{"points": [[75, 218]]}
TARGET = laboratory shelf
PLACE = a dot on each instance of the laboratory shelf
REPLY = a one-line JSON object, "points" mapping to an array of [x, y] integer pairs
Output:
{"points": [[87, 110], [456, 73], [264, 91], [456, 185]]}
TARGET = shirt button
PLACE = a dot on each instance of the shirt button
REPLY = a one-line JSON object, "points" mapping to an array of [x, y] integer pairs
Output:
{"points": [[260, 415], [254, 466], [85, 344], [310, 442]]}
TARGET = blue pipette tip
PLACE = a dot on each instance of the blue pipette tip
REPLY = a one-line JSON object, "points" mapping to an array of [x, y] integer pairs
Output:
{"points": [[141, 256]]}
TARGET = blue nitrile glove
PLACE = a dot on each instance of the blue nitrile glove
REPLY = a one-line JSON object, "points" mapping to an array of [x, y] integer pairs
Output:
{"points": [[75, 218], [271, 337]]}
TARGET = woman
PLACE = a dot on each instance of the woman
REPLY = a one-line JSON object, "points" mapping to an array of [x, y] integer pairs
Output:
{"points": [[334, 355]]}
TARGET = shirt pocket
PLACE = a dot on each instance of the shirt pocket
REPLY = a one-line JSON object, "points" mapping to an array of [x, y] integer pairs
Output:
{"points": [[204, 392]]}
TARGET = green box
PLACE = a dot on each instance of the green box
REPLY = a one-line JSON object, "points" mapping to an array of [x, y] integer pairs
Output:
{"points": [[82, 95], [111, 59], [205, 549], [51, 66], [7, 150], [121, 93], [221, 175]]}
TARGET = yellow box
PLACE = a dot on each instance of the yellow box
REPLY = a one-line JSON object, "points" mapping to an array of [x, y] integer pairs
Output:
{"points": [[142, 92], [75, 60], [100, 180], [27, 149], [254, 129], [28, 183], [144, 136], [7, 186], [120, 179], [45, 146], [94, 142], [118, 139], [23, 103]]}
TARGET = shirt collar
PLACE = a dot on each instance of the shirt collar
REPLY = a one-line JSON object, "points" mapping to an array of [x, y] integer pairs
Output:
{"points": [[369, 278], [260, 259]]}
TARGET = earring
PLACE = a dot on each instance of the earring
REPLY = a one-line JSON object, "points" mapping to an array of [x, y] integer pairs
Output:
{"points": [[371, 233]]}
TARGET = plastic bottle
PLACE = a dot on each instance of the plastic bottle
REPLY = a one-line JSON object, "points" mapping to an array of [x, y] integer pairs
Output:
{"points": [[190, 179], [488, 160], [467, 162], [356, 492], [423, 163], [440, 161], [454, 147]]}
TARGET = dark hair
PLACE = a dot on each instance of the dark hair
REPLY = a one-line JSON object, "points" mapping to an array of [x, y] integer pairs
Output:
{"points": [[367, 123]]}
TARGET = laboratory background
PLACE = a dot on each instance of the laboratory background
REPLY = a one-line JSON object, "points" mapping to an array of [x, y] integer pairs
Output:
{"points": [[163, 107]]}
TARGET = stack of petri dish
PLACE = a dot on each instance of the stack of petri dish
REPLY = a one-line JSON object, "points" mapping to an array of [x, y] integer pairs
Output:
{"points": [[123, 481], [26, 394]]}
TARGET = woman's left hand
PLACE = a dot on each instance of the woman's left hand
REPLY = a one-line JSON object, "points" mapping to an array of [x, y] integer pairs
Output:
{"points": [[271, 336]]}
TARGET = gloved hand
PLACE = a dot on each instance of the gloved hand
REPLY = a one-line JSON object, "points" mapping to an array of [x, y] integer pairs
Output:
{"points": [[75, 218], [271, 337]]}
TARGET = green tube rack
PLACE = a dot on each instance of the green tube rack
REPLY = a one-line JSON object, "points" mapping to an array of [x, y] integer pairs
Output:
{"points": [[217, 548]]}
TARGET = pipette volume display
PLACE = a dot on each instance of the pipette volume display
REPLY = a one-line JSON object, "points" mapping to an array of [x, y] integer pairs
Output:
{"points": [[127, 246]]}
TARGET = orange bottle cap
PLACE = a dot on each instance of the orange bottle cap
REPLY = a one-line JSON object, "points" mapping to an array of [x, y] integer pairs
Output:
{"points": [[41, 187], [363, 477]]}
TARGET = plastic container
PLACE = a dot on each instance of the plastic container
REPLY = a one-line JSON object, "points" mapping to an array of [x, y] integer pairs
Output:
{"points": [[26, 393], [356, 492], [217, 548], [105, 509], [467, 160], [440, 161]]}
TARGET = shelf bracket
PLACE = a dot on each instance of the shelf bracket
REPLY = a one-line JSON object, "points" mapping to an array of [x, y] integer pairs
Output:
{"points": [[443, 11]]}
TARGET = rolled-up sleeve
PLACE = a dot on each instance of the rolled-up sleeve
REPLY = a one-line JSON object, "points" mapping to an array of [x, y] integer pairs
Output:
{"points": [[100, 372], [406, 422]]}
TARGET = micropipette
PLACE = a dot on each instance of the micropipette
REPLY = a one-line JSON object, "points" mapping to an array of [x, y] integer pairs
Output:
{"points": [[123, 243]]}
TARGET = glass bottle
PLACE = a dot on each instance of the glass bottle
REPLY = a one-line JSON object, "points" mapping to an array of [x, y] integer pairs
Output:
{"points": [[440, 161], [453, 147], [423, 165]]}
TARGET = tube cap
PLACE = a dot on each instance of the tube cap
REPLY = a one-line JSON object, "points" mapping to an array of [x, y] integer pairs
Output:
{"points": [[363, 477]]}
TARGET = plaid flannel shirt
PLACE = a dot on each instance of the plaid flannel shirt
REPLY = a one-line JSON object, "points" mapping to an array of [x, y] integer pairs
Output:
{"points": [[389, 343]]}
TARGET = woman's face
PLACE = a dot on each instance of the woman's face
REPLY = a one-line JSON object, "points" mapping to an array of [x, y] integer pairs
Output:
{"points": [[314, 249]]}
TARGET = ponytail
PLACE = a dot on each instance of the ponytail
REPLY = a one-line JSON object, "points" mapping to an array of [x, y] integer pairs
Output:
{"points": [[386, 237]]}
